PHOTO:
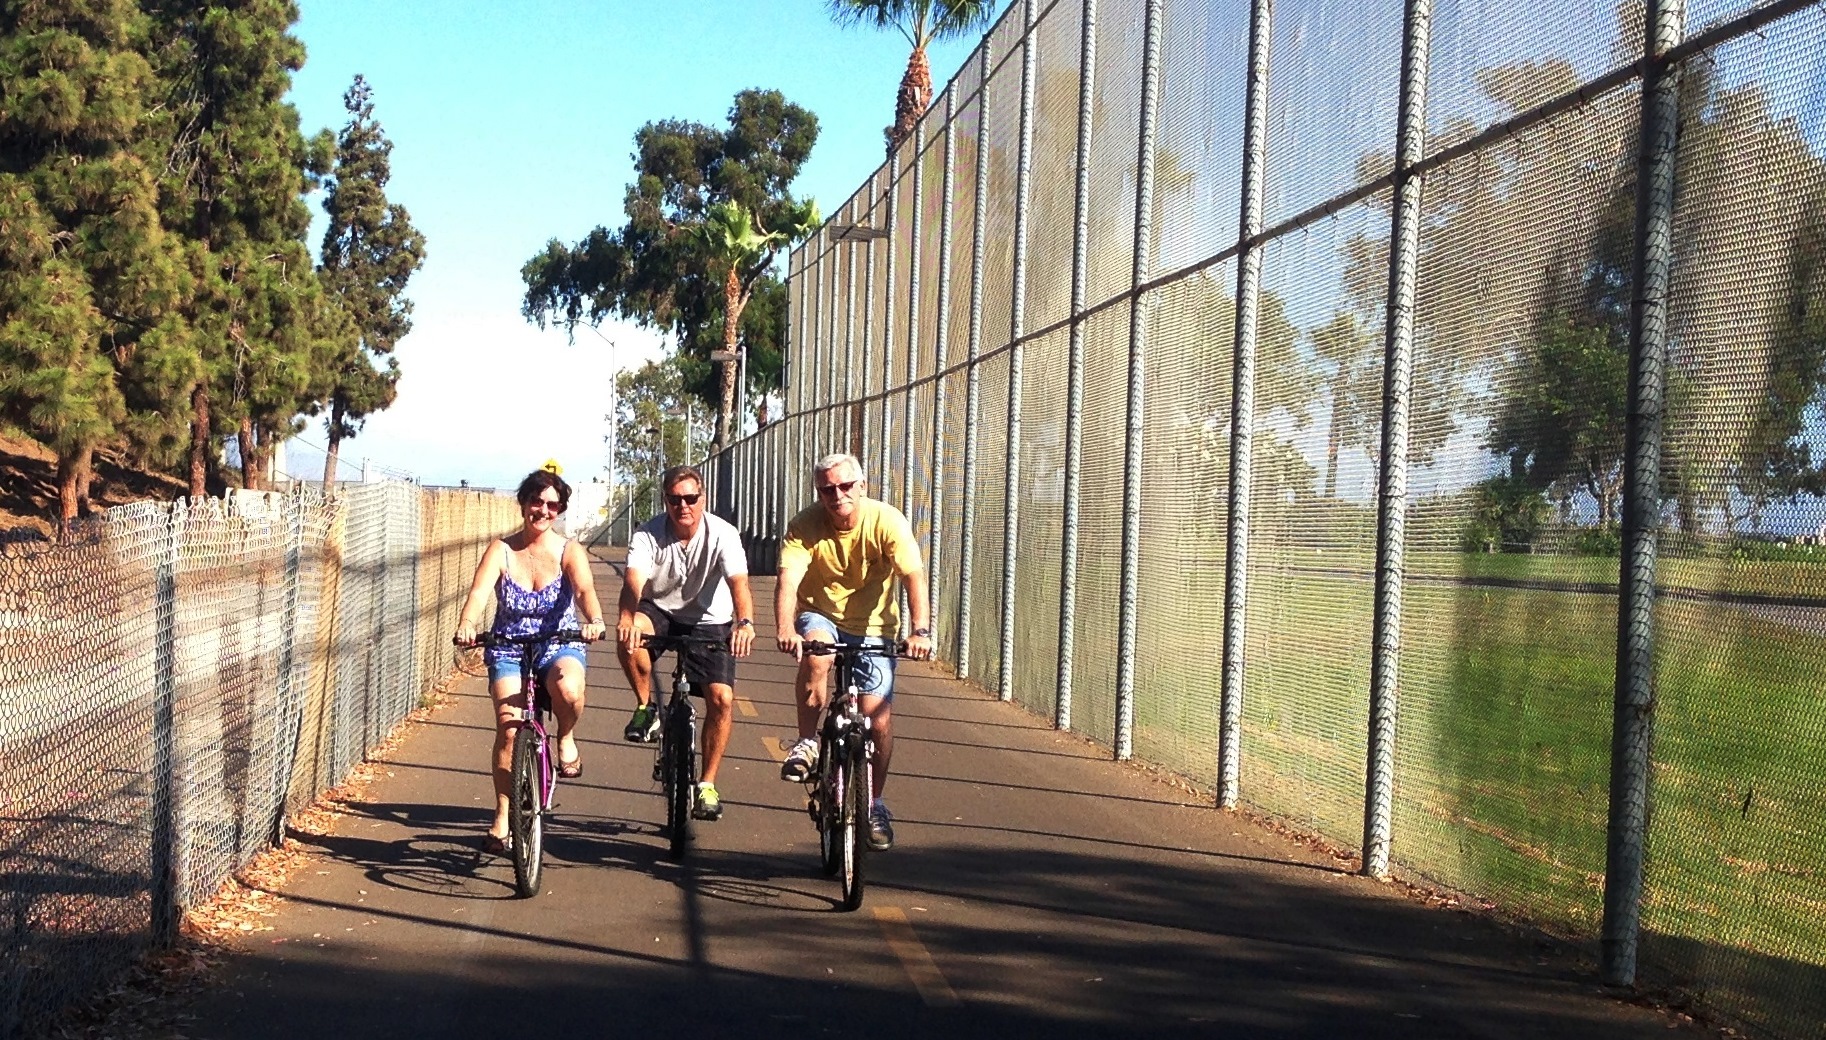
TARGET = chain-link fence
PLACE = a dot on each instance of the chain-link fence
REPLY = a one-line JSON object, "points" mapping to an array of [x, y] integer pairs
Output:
{"points": [[177, 677], [1251, 370]]}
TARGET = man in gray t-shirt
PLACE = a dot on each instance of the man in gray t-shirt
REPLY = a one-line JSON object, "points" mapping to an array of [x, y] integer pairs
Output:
{"points": [[687, 576]]}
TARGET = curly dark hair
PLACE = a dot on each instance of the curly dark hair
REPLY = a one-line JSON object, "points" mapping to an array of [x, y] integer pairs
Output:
{"points": [[535, 484]]}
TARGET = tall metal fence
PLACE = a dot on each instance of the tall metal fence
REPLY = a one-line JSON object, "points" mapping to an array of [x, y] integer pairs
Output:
{"points": [[1253, 371], [178, 678]]}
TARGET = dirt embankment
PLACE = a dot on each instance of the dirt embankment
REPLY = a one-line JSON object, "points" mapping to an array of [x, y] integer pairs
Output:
{"points": [[28, 487]]}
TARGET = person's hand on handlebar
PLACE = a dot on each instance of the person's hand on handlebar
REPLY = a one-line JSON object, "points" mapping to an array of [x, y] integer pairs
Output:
{"points": [[592, 631], [465, 635], [741, 638], [918, 647], [790, 642], [624, 630]]}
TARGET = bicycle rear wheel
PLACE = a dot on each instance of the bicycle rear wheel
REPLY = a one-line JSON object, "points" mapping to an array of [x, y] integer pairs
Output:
{"points": [[526, 814], [854, 843], [680, 783]]}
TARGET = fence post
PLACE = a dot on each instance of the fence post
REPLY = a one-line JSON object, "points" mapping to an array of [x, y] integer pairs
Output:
{"points": [[973, 378], [1633, 712], [915, 249], [1242, 412], [941, 334], [165, 882], [887, 321], [1392, 492], [868, 321], [288, 688], [1074, 366], [849, 341], [1137, 376], [1017, 328]]}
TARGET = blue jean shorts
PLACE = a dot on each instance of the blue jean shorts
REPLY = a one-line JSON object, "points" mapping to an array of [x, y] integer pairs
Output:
{"points": [[874, 676], [509, 667]]}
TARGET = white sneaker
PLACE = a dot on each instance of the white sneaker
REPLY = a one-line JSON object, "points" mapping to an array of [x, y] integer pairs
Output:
{"points": [[800, 761]]}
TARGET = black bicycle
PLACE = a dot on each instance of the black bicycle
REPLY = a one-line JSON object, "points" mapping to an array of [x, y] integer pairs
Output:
{"points": [[533, 778], [838, 790], [675, 766]]}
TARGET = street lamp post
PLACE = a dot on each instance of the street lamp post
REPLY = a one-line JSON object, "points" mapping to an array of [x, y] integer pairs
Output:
{"points": [[659, 458]]}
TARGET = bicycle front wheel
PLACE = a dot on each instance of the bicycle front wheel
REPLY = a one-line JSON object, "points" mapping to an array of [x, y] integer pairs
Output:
{"points": [[526, 814], [854, 834], [829, 801], [680, 784]]}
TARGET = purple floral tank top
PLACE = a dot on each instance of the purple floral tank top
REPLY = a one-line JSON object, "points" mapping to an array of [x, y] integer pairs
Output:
{"points": [[520, 611]]}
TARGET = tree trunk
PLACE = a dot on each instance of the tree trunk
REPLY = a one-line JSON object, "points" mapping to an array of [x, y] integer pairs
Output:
{"points": [[199, 442], [760, 412], [250, 462], [335, 449], [1331, 448], [73, 469], [911, 102], [732, 320]]}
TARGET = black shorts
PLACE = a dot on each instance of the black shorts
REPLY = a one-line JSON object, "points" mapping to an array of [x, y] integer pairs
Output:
{"points": [[704, 665]]}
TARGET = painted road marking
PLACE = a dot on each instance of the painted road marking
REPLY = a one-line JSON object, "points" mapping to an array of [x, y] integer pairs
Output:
{"points": [[747, 707], [919, 965], [775, 747]]}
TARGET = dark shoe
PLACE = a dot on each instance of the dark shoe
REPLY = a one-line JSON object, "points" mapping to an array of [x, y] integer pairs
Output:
{"points": [[496, 845], [571, 770], [643, 728], [881, 827]]}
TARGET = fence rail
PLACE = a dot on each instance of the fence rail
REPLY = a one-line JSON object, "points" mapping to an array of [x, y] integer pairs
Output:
{"points": [[177, 679], [1211, 348]]}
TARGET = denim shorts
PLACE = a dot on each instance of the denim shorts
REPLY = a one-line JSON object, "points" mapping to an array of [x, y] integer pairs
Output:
{"points": [[509, 667], [874, 676]]}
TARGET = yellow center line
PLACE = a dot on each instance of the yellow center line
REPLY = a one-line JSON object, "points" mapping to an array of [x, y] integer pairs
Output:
{"points": [[747, 707], [775, 747], [927, 979]]}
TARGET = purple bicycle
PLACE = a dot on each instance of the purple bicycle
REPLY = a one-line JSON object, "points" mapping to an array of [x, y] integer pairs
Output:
{"points": [[534, 775]]}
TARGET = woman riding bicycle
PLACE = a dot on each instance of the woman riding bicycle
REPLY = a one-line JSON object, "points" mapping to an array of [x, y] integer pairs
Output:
{"points": [[541, 581]]}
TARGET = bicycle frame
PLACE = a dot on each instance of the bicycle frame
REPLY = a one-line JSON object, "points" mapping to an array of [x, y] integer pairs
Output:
{"points": [[675, 758], [837, 800]]}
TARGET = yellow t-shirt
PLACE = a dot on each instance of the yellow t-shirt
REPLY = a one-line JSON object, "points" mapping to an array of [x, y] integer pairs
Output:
{"points": [[849, 575]]}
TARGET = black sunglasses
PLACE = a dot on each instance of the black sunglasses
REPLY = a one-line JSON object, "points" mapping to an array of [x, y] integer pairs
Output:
{"points": [[832, 489], [682, 500]]}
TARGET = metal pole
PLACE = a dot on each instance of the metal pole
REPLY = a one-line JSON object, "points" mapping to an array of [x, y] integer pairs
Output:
{"points": [[1074, 366], [887, 323], [973, 379], [1133, 436], [849, 333], [1017, 327], [1633, 713], [1242, 413], [868, 324], [941, 334], [1397, 377], [915, 249], [166, 882]]}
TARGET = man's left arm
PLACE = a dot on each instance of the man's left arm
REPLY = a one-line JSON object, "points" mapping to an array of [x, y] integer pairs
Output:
{"points": [[912, 569], [741, 634]]}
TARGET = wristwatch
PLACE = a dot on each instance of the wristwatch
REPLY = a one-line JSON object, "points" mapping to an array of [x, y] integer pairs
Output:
{"points": [[922, 633], [745, 623]]}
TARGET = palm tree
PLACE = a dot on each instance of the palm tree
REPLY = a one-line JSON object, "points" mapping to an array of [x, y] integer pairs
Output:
{"points": [[921, 22], [743, 250]]}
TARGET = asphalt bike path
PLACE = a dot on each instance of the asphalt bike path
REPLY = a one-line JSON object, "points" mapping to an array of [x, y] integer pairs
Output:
{"points": [[1035, 886]]}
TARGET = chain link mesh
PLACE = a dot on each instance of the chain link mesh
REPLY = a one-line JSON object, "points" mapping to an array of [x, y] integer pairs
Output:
{"points": [[1509, 567], [178, 677]]}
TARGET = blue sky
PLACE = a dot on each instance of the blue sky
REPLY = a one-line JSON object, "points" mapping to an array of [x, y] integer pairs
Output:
{"points": [[512, 124]]}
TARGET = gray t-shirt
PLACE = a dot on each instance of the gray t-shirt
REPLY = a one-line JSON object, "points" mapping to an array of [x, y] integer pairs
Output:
{"points": [[688, 580]]}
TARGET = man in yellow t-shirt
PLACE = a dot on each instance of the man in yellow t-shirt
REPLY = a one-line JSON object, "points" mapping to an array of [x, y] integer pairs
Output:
{"points": [[838, 566]]}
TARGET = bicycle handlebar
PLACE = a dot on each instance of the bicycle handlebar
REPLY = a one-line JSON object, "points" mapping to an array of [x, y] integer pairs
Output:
{"points": [[652, 642], [567, 635], [815, 648]]}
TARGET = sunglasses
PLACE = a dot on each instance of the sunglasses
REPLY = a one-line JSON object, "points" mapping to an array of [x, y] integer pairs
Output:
{"points": [[832, 490], [548, 504], [682, 500]]}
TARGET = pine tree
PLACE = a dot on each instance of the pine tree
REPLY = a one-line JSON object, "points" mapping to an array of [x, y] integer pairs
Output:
{"points": [[87, 276], [370, 251]]}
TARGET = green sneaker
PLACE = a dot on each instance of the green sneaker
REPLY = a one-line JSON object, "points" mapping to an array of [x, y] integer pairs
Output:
{"points": [[709, 806], [643, 728]]}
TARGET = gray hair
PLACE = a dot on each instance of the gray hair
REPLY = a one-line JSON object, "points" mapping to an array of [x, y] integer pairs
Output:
{"points": [[832, 461]]}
